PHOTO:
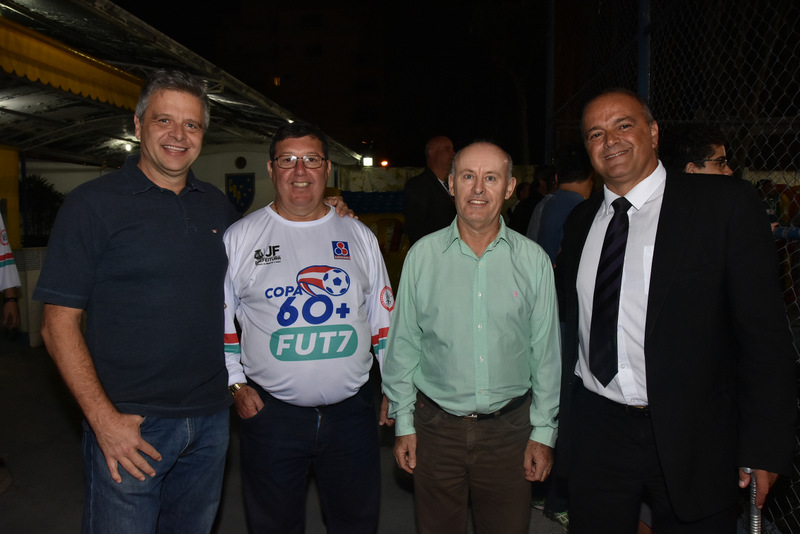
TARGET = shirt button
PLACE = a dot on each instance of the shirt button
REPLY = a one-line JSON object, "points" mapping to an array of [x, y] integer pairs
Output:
{"points": [[480, 327], [622, 366], [480, 294], [480, 358]]}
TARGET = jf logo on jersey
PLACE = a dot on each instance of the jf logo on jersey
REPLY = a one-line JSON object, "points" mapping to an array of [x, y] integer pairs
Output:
{"points": [[303, 334]]}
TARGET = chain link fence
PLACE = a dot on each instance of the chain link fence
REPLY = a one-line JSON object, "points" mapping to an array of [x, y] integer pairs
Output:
{"points": [[734, 64]]}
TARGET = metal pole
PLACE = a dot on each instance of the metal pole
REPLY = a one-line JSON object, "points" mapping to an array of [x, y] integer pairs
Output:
{"points": [[755, 513], [549, 138], [643, 70]]}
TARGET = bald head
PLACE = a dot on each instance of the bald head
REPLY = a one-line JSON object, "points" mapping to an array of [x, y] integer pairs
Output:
{"points": [[480, 182]]}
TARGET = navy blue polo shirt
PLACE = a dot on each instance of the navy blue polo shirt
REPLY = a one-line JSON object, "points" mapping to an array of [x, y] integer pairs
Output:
{"points": [[148, 266]]}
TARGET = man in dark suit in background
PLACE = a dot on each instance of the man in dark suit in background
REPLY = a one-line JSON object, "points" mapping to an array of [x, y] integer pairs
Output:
{"points": [[427, 203], [678, 363]]}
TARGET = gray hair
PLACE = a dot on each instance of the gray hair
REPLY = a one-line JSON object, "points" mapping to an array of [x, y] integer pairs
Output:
{"points": [[173, 80]]}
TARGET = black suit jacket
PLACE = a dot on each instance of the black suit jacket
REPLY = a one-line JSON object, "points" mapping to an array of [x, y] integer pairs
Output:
{"points": [[719, 359], [427, 205]]}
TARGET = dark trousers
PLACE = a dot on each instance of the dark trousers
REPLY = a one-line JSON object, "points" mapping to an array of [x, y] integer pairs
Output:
{"points": [[614, 461], [460, 459], [283, 442]]}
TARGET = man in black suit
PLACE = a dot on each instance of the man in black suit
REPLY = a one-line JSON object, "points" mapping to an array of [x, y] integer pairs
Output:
{"points": [[427, 203], [701, 376]]}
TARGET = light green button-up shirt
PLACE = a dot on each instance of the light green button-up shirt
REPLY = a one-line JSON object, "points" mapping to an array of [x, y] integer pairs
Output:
{"points": [[473, 333]]}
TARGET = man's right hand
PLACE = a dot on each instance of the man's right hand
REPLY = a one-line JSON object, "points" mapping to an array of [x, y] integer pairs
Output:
{"points": [[248, 402], [405, 452], [118, 435], [121, 442]]}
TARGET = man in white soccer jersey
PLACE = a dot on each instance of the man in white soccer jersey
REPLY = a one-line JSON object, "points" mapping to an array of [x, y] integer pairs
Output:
{"points": [[311, 294]]}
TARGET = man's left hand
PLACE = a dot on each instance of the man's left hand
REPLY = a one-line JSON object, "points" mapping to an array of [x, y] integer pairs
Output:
{"points": [[384, 417], [764, 481], [538, 461], [10, 314], [340, 206]]}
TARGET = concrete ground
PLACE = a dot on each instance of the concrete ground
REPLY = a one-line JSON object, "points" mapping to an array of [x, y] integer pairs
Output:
{"points": [[41, 486]]}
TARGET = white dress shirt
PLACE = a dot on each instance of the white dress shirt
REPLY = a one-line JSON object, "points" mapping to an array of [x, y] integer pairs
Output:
{"points": [[629, 386]]}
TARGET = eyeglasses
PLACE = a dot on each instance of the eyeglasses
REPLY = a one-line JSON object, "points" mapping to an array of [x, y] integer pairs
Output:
{"points": [[289, 161], [720, 162]]}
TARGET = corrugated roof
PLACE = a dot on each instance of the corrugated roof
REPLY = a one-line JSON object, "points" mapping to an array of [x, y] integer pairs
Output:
{"points": [[51, 123]]}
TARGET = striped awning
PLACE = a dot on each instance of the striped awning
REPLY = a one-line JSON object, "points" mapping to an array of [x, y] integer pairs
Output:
{"points": [[36, 57]]}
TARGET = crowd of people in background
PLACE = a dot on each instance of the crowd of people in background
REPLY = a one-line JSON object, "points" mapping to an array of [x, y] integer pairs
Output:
{"points": [[594, 339]]}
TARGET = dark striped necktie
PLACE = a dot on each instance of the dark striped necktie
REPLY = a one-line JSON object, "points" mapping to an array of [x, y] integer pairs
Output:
{"points": [[605, 308]]}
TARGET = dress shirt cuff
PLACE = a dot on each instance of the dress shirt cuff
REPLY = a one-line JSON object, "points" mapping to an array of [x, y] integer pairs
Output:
{"points": [[404, 425], [545, 435]]}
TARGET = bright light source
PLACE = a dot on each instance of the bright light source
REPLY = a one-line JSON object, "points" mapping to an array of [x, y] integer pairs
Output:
{"points": [[290, 121], [367, 161], [384, 163], [128, 147]]}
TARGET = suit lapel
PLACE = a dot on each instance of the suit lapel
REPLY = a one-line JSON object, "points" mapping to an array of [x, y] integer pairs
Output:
{"points": [[588, 215], [673, 223], [583, 223]]}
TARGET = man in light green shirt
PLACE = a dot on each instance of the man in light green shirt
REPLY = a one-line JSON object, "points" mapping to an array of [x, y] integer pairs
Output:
{"points": [[473, 364]]}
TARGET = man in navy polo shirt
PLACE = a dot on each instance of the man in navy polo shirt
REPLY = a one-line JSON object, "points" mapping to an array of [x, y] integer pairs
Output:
{"points": [[140, 249]]}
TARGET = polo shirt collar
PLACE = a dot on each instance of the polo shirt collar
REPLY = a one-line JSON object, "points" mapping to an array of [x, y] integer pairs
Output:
{"points": [[139, 182]]}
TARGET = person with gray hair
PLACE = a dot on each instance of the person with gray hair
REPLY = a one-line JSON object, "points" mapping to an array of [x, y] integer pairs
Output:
{"points": [[140, 251], [473, 364]]}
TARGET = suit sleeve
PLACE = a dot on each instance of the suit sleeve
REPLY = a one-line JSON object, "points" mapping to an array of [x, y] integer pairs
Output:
{"points": [[766, 366]]}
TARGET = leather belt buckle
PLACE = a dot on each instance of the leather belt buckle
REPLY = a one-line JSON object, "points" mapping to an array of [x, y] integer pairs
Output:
{"points": [[642, 411], [470, 417]]}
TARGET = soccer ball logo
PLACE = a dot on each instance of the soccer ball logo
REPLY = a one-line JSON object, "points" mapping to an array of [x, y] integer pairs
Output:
{"points": [[336, 282], [323, 279]]}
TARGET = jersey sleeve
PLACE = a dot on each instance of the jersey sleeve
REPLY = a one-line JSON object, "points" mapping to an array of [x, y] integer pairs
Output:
{"points": [[233, 351], [9, 277], [380, 299]]}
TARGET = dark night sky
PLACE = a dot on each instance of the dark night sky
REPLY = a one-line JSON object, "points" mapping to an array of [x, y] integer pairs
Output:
{"points": [[470, 70]]}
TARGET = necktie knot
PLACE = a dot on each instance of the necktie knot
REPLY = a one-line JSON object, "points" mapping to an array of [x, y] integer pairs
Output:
{"points": [[621, 204]]}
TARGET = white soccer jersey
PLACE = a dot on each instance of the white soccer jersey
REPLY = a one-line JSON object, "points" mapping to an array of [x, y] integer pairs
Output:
{"points": [[9, 276], [311, 298]]}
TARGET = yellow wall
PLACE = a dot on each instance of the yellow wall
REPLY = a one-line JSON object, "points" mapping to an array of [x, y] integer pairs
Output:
{"points": [[9, 190]]}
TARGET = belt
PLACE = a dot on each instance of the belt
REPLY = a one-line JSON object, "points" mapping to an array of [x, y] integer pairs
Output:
{"points": [[631, 409], [513, 404]]}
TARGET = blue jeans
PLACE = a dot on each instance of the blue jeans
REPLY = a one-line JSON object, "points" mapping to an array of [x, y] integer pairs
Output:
{"points": [[183, 496], [282, 442]]}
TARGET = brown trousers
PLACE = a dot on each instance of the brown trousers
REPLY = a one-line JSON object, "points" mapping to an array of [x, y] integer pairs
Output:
{"points": [[460, 460]]}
